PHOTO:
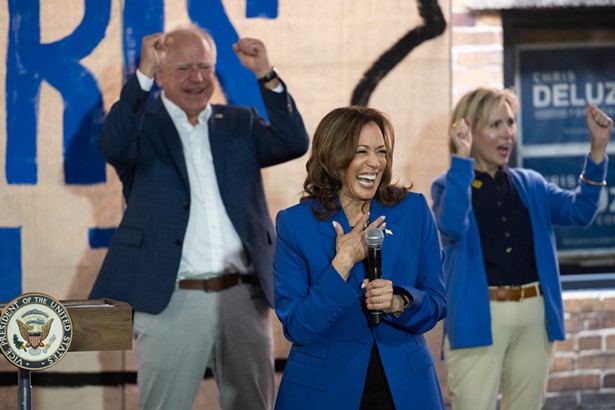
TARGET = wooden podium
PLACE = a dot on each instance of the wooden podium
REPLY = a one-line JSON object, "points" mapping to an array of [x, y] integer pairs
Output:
{"points": [[97, 325], [100, 325]]}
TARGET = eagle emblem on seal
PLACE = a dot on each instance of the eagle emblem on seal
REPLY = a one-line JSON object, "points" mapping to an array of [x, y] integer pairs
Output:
{"points": [[34, 334]]}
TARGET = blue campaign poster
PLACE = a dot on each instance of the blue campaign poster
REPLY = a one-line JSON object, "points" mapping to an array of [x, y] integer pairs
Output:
{"points": [[599, 237], [554, 83]]}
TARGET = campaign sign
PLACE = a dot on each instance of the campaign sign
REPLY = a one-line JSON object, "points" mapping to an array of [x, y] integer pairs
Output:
{"points": [[555, 82], [595, 239]]}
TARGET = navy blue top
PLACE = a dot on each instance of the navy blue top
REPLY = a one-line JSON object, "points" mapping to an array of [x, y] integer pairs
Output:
{"points": [[505, 230]]}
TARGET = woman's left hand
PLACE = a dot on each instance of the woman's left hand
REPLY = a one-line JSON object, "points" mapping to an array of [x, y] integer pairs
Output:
{"points": [[379, 294], [600, 127]]}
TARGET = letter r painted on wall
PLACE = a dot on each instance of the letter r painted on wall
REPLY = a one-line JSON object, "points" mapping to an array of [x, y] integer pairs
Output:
{"points": [[28, 64]]}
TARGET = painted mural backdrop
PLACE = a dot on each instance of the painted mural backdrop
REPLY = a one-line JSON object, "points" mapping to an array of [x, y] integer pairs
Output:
{"points": [[62, 65]]}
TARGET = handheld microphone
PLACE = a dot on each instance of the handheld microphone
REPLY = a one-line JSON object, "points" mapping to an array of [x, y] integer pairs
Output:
{"points": [[374, 238]]}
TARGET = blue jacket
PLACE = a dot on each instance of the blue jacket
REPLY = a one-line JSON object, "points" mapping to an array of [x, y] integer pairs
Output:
{"points": [[322, 314], [468, 323], [140, 141]]}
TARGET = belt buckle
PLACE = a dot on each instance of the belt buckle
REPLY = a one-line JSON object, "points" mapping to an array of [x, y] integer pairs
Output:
{"points": [[206, 285], [501, 293], [521, 293]]}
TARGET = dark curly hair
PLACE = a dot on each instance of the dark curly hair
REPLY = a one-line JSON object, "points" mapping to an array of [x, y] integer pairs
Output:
{"points": [[333, 149]]}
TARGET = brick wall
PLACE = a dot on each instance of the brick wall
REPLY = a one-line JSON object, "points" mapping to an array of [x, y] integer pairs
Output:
{"points": [[476, 50], [583, 373]]}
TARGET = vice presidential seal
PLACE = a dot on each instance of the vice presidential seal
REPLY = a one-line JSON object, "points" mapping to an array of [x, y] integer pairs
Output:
{"points": [[35, 331]]}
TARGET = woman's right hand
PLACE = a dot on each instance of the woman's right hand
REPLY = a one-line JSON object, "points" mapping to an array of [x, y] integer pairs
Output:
{"points": [[351, 248], [460, 134]]}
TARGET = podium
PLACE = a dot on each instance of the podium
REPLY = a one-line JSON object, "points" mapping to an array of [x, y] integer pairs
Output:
{"points": [[100, 325], [95, 325]]}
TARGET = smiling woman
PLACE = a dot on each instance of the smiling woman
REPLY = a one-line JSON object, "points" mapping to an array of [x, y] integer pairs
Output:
{"points": [[352, 156], [320, 273], [362, 176]]}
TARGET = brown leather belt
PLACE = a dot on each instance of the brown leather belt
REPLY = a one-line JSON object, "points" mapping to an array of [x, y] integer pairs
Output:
{"points": [[514, 293], [218, 283]]}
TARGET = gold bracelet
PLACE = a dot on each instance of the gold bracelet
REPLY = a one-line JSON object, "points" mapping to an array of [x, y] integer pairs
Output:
{"points": [[590, 182]]}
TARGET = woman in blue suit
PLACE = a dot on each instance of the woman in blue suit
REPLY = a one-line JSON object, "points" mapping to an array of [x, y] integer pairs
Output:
{"points": [[322, 297], [501, 269]]}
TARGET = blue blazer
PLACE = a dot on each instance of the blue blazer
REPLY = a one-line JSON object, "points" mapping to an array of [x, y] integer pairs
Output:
{"points": [[142, 144], [468, 323], [322, 314]]}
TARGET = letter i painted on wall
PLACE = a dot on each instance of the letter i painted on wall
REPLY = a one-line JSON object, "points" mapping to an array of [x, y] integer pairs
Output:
{"points": [[10, 263]]}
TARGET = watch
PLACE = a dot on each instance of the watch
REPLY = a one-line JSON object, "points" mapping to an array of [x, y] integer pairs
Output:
{"points": [[407, 302], [268, 77]]}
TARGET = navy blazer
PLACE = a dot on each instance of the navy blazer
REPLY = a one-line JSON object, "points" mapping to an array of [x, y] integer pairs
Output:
{"points": [[141, 143], [322, 314]]}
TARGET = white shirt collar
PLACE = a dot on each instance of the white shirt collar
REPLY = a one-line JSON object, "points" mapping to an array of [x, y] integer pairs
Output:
{"points": [[177, 114]]}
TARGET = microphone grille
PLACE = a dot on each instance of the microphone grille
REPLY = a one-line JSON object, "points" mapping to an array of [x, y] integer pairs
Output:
{"points": [[374, 237]]}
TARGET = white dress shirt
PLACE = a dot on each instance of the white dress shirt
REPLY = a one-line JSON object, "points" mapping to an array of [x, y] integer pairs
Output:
{"points": [[211, 245]]}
